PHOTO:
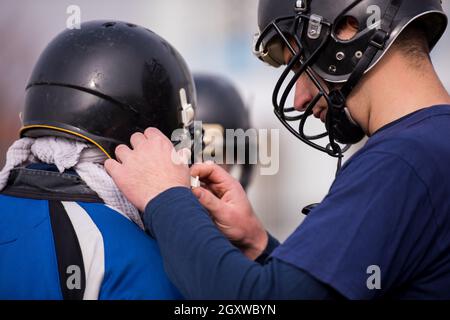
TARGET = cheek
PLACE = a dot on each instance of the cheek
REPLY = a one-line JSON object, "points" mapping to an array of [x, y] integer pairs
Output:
{"points": [[323, 103]]}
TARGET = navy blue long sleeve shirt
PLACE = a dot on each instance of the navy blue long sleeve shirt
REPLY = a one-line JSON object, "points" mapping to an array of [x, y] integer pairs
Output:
{"points": [[383, 230], [203, 264]]}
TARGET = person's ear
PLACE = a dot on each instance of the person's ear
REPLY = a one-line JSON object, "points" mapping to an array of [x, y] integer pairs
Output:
{"points": [[347, 28]]}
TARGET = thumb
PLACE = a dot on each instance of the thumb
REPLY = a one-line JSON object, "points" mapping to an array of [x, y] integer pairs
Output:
{"points": [[208, 200]]}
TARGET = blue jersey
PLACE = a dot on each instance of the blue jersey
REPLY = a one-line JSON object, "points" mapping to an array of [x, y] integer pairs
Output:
{"points": [[58, 241], [384, 228]]}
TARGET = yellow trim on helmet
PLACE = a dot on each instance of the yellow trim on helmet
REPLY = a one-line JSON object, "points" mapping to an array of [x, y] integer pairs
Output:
{"points": [[66, 131]]}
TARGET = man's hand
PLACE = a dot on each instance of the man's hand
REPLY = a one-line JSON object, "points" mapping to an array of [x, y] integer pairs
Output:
{"points": [[227, 203], [151, 168]]}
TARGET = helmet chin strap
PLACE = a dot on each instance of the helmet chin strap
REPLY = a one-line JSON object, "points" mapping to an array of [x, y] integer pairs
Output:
{"points": [[340, 125]]}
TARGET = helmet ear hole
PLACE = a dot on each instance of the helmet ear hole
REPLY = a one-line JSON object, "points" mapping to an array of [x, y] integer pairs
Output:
{"points": [[346, 28]]}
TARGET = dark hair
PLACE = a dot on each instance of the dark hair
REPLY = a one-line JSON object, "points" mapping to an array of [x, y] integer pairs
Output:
{"points": [[413, 43]]}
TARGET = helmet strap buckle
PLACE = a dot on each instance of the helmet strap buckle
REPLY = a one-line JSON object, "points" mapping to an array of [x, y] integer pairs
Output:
{"points": [[187, 110], [379, 39], [315, 26]]}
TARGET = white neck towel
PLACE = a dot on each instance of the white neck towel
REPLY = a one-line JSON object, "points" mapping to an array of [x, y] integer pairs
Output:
{"points": [[85, 159]]}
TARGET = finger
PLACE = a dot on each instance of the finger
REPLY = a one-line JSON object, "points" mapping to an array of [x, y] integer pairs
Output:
{"points": [[211, 172], [123, 153], [216, 179], [112, 167], [153, 132], [136, 139], [208, 200], [154, 135]]}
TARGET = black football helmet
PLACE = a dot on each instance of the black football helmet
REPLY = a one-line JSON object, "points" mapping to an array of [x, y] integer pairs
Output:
{"points": [[104, 82], [221, 107], [308, 29]]}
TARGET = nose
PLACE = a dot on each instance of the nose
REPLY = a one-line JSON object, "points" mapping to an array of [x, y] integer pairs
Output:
{"points": [[303, 93]]}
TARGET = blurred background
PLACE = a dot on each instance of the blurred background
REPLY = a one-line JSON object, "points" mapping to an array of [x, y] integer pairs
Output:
{"points": [[213, 36]]}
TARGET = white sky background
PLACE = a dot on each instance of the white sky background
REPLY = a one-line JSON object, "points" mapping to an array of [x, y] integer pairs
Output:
{"points": [[212, 35]]}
